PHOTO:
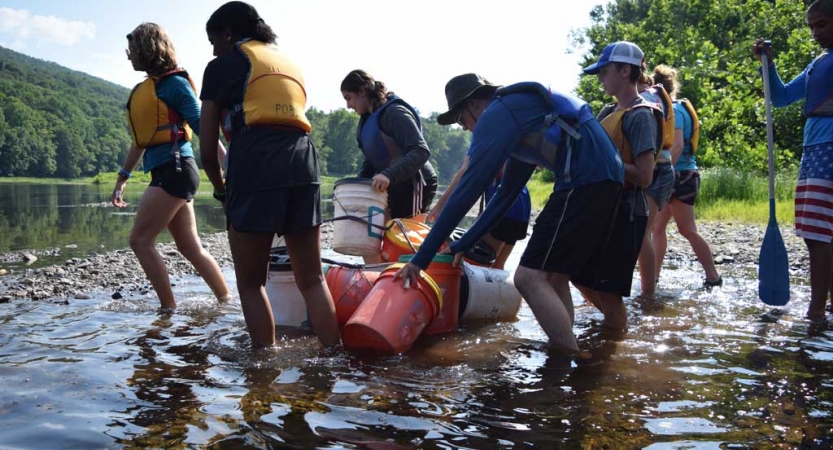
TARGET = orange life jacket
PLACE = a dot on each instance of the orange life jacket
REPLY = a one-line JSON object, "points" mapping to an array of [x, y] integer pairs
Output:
{"points": [[151, 121]]}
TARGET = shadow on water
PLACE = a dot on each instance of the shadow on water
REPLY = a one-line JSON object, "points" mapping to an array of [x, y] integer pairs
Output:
{"points": [[697, 369]]}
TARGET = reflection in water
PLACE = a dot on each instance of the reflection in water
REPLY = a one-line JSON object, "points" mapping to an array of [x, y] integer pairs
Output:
{"points": [[696, 370]]}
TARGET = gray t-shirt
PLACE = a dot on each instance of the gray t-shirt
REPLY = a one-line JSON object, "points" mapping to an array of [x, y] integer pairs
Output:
{"points": [[640, 129]]}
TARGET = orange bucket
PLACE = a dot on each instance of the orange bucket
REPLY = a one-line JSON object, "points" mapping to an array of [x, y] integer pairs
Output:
{"points": [[403, 237], [391, 317], [447, 277], [349, 287]]}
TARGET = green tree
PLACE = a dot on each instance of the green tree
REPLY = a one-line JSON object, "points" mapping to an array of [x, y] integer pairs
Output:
{"points": [[708, 41], [344, 158]]}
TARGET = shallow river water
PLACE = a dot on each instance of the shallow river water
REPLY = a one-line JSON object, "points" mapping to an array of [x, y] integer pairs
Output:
{"points": [[696, 370]]}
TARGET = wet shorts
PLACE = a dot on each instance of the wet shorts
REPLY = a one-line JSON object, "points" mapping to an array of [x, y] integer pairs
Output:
{"points": [[686, 186], [178, 184], [281, 210], [572, 225], [662, 185], [509, 231]]}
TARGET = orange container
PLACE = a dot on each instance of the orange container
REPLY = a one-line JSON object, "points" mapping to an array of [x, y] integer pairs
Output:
{"points": [[391, 317], [447, 277], [349, 287], [403, 237]]}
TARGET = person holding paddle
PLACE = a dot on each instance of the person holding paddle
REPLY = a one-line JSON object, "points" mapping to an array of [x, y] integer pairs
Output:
{"points": [[686, 186], [814, 190]]}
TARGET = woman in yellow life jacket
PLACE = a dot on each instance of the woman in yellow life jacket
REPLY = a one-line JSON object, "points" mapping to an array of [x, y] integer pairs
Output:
{"points": [[256, 94], [686, 186], [160, 112]]}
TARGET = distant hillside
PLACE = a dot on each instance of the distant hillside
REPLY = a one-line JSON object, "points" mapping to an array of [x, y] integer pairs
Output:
{"points": [[57, 122]]}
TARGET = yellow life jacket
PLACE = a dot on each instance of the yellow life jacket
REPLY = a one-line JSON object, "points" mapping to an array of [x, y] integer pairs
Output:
{"points": [[151, 121], [667, 106], [612, 123], [694, 140], [274, 93]]}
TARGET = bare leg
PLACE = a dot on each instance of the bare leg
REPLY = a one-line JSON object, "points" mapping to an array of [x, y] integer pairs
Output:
{"points": [[821, 261], [616, 315], [563, 291], [183, 228], [156, 209], [536, 287], [591, 296], [659, 236], [305, 253], [250, 253], [684, 216], [647, 254]]}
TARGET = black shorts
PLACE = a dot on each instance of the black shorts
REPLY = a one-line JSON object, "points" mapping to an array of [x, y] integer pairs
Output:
{"points": [[282, 210], [509, 231], [182, 184], [610, 268], [686, 186], [572, 225]]}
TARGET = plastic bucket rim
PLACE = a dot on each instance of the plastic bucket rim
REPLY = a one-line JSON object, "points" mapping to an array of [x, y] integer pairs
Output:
{"points": [[423, 277]]}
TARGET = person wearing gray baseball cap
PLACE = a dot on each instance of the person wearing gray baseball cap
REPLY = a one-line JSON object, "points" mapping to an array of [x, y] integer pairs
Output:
{"points": [[518, 128]]}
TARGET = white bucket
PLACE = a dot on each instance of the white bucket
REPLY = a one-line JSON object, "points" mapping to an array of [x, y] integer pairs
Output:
{"points": [[488, 294], [288, 305], [355, 197]]}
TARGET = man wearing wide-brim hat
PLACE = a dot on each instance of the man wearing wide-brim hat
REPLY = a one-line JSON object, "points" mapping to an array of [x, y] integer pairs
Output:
{"points": [[523, 126]]}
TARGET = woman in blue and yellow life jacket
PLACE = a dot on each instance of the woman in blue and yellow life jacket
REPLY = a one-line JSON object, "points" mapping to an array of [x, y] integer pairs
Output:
{"points": [[390, 137], [161, 111], [257, 95], [686, 186]]}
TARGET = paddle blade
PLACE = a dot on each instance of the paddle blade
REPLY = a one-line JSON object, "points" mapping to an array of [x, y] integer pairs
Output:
{"points": [[773, 268]]}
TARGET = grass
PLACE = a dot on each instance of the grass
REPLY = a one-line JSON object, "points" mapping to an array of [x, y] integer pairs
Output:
{"points": [[726, 195]]}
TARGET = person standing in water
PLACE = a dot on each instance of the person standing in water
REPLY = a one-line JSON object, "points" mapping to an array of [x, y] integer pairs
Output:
{"points": [[686, 186], [814, 190], [273, 183], [165, 151]]}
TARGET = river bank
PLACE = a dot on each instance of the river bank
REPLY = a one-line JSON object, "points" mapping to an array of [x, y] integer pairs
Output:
{"points": [[118, 274]]}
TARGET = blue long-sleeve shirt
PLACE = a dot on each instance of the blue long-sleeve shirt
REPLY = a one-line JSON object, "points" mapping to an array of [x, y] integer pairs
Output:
{"points": [[497, 138], [176, 93], [817, 129]]}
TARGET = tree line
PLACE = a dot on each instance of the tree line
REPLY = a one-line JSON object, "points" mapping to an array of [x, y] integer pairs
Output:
{"points": [[709, 41], [56, 122]]}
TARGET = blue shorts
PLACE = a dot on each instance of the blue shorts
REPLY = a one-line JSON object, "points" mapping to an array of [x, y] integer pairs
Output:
{"points": [[663, 184]]}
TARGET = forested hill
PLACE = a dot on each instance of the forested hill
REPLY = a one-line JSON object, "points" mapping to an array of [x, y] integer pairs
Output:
{"points": [[56, 122]]}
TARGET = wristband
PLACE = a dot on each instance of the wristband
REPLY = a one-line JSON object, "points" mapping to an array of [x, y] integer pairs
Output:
{"points": [[220, 196], [124, 173]]}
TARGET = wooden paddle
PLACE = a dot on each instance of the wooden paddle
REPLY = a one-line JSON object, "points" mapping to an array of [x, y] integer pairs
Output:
{"points": [[773, 264]]}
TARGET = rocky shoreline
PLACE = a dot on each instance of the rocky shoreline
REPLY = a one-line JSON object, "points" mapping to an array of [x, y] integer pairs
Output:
{"points": [[118, 273]]}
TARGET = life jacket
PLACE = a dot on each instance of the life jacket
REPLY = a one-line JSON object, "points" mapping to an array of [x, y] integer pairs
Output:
{"points": [[658, 91], [151, 121], [377, 146], [559, 126], [819, 97], [274, 92], [613, 124], [694, 140]]}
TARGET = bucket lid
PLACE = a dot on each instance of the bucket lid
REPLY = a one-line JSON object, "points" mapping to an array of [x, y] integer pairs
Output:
{"points": [[353, 180], [424, 277], [437, 259]]}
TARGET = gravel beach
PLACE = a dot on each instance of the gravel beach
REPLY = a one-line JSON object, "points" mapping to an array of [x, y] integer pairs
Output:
{"points": [[118, 273]]}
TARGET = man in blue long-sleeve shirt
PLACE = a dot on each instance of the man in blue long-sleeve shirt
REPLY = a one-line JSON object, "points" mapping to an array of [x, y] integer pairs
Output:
{"points": [[523, 126]]}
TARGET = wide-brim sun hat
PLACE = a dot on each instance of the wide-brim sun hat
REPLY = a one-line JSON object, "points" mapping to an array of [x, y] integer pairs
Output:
{"points": [[622, 52], [458, 90]]}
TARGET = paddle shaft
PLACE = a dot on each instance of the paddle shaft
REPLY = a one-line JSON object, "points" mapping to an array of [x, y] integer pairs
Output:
{"points": [[769, 135]]}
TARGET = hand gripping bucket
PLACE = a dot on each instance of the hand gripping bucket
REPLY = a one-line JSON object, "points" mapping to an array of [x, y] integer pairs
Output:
{"points": [[403, 237], [359, 217], [349, 286], [488, 294], [442, 271], [288, 305], [391, 317]]}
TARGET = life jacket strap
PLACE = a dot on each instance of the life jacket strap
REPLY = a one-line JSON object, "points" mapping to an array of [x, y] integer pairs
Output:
{"points": [[553, 118]]}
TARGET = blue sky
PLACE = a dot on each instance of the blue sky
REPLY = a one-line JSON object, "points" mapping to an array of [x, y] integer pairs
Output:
{"points": [[413, 46]]}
